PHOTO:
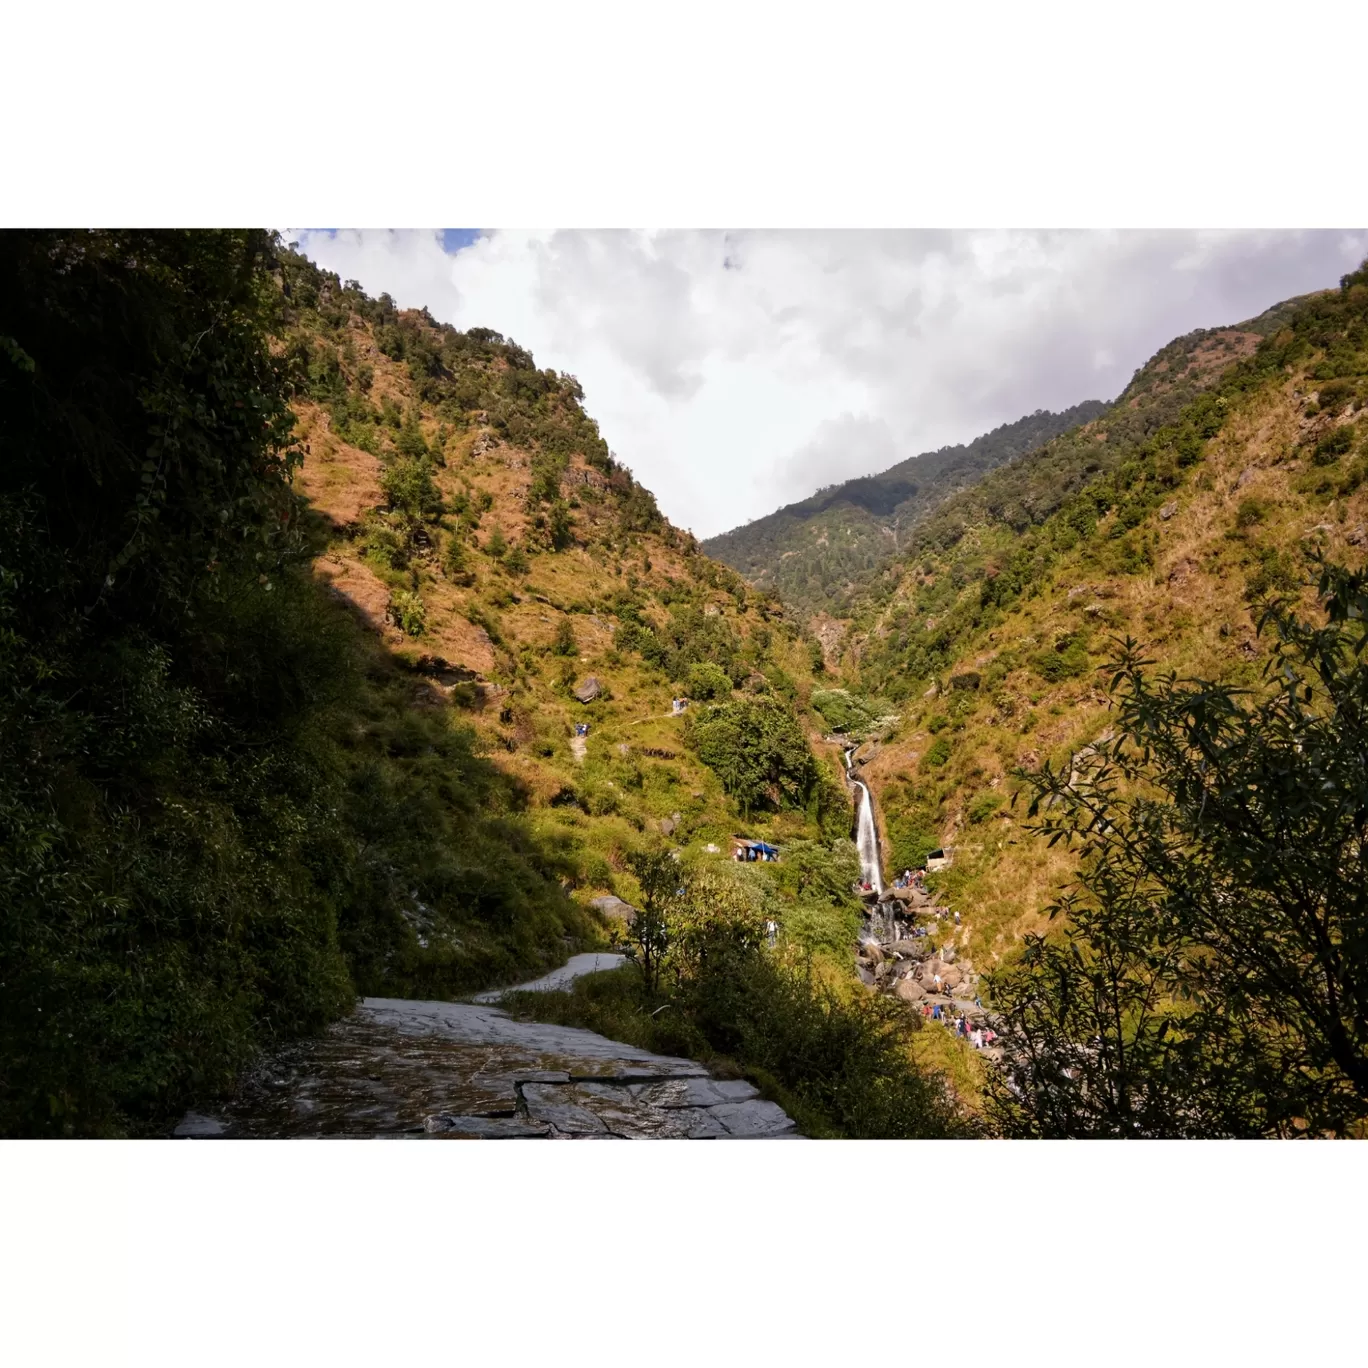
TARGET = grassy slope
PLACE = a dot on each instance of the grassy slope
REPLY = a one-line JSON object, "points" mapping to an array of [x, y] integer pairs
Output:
{"points": [[500, 630], [1183, 579]]}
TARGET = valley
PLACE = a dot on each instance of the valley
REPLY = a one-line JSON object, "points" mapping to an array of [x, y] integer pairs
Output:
{"points": [[382, 684]]}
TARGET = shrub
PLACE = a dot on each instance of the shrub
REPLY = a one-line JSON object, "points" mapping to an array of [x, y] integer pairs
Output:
{"points": [[842, 711], [1208, 946], [564, 643], [408, 612], [706, 681], [455, 562], [1066, 661], [938, 753], [1332, 446]]}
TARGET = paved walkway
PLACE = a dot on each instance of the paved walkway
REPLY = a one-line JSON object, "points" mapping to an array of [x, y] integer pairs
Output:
{"points": [[466, 1070], [559, 979]]}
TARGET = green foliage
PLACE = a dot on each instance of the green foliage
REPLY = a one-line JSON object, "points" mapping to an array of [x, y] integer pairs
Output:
{"points": [[564, 643], [408, 612], [221, 814], [410, 490], [495, 545], [911, 838], [983, 807], [664, 894], [818, 554], [455, 562], [838, 1063], [822, 914], [757, 749], [1275, 573], [1211, 971], [842, 711], [1067, 660], [706, 681], [1332, 446], [937, 753]]}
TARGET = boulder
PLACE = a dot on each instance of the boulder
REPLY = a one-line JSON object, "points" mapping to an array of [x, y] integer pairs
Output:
{"points": [[948, 955], [865, 973], [951, 977], [872, 951], [882, 970], [909, 990], [908, 949], [614, 907]]}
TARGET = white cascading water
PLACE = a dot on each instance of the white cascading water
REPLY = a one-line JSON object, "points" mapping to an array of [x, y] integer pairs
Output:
{"points": [[866, 835]]}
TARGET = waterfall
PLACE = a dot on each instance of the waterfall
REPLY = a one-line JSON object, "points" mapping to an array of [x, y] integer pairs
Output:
{"points": [[866, 833]]}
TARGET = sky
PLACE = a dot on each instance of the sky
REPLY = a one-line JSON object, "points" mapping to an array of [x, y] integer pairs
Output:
{"points": [[736, 371]]}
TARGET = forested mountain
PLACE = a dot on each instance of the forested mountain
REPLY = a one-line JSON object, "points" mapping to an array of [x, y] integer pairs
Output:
{"points": [[303, 599], [339, 655], [844, 545], [817, 553], [1177, 520]]}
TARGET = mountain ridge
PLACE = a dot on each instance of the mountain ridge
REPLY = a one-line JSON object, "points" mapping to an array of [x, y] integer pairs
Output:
{"points": [[794, 555]]}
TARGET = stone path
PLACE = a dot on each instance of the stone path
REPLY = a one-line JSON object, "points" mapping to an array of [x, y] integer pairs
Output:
{"points": [[558, 979], [469, 1071]]}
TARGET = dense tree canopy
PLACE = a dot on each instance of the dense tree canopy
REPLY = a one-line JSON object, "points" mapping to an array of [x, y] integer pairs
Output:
{"points": [[220, 812]]}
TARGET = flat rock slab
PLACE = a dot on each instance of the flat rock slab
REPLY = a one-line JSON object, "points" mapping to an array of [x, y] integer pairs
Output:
{"points": [[466, 1070]]}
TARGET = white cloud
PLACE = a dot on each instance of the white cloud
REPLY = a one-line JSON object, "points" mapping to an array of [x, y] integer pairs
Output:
{"points": [[737, 371]]}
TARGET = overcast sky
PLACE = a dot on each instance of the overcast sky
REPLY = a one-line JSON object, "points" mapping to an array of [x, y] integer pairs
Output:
{"points": [[734, 372]]}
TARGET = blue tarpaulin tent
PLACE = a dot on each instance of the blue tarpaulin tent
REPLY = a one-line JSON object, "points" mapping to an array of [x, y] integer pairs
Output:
{"points": [[755, 850]]}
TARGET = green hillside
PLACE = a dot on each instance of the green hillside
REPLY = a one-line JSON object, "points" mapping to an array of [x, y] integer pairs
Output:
{"points": [[817, 554], [991, 639], [296, 592]]}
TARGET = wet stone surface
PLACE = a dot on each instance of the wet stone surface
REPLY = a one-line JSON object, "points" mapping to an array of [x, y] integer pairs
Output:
{"points": [[468, 1071]]}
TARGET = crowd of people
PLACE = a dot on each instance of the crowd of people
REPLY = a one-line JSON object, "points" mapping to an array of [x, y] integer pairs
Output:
{"points": [[978, 1036]]}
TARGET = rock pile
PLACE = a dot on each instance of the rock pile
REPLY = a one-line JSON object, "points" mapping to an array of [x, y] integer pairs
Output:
{"points": [[917, 963]]}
